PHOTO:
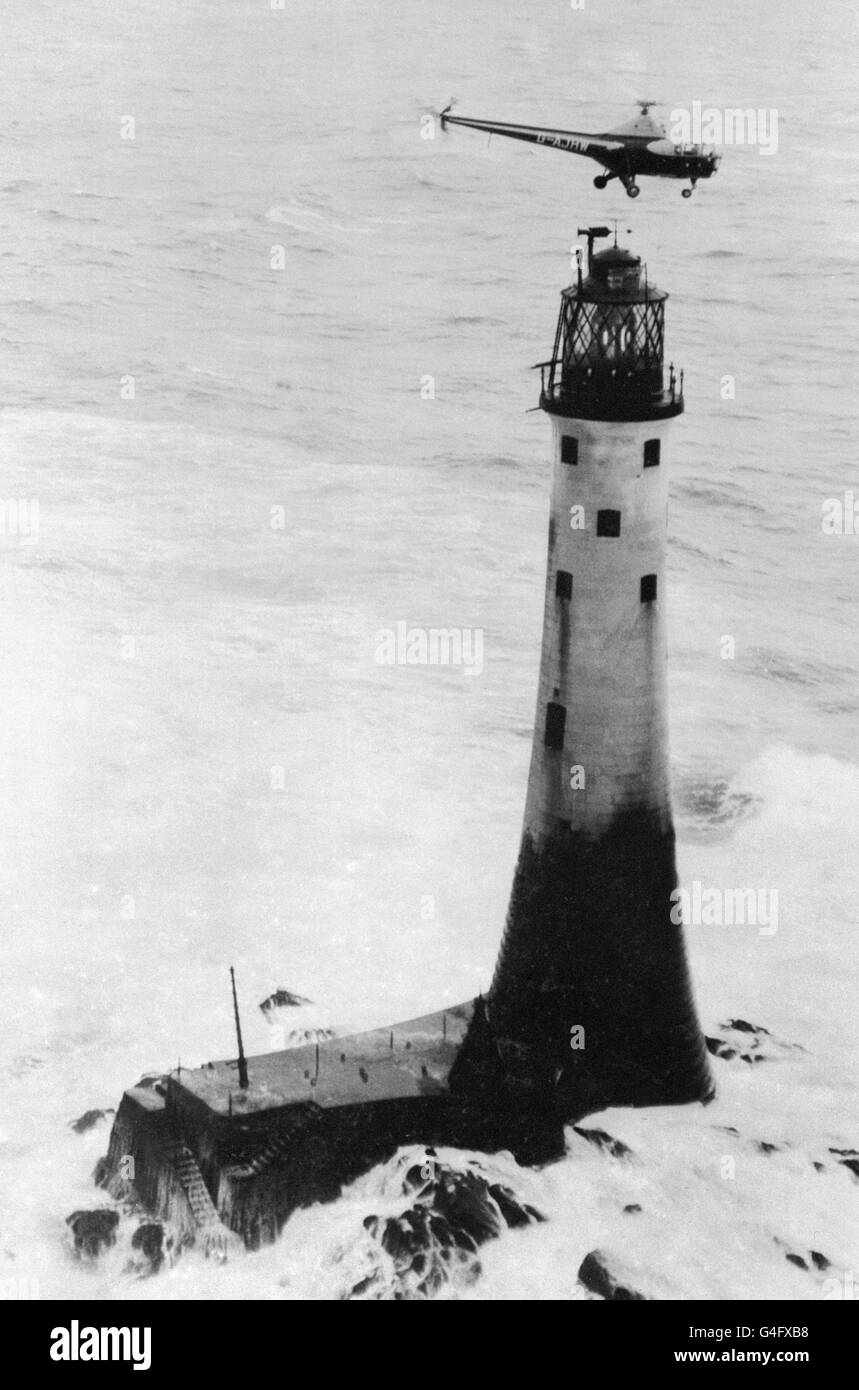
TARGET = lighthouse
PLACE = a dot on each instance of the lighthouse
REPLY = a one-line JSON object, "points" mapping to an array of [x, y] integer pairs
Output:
{"points": [[591, 995], [590, 1005]]}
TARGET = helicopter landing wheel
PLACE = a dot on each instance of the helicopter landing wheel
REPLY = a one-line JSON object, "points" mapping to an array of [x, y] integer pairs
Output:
{"points": [[687, 192], [600, 181], [632, 190]]}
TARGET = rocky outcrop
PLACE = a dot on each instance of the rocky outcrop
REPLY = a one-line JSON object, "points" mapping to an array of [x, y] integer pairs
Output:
{"points": [[601, 1140], [597, 1276], [93, 1231], [436, 1238], [88, 1120], [849, 1159], [150, 1244], [749, 1042], [812, 1261], [294, 1020], [284, 999]]}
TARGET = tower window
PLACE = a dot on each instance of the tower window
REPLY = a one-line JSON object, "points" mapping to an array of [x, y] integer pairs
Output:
{"points": [[569, 449], [608, 523], [563, 584], [556, 719], [648, 588], [651, 453]]}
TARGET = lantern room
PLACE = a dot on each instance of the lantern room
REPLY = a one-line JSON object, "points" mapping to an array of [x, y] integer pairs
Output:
{"points": [[607, 362]]}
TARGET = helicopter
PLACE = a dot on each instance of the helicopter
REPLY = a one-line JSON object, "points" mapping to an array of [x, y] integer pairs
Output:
{"points": [[640, 146]]}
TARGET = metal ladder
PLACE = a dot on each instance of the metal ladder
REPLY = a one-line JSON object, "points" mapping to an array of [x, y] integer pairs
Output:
{"points": [[216, 1239]]}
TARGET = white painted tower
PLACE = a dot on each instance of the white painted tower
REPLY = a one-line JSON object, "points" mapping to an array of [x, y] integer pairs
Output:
{"points": [[589, 943]]}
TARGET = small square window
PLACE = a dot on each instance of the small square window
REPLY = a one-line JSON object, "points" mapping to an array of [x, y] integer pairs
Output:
{"points": [[608, 523], [563, 584], [651, 453], [648, 588], [556, 719], [569, 449]]}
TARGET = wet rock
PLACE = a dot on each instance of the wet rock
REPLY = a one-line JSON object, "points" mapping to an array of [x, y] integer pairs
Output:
{"points": [[283, 999], [596, 1276], [417, 1177], [462, 1201], [717, 1047], [295, 1019], [88, 1120], [750, 1043], [604, 1141], [149, 1240], [363, 1288], [812, 1258], [101, 1172], [514, 1213], [849, 1159], [93, 1231], [452, 1214], [425, 1252], [406, 1238]]}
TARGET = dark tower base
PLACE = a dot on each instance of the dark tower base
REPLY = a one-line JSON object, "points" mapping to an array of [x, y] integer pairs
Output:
{"points": [[590, 944]]}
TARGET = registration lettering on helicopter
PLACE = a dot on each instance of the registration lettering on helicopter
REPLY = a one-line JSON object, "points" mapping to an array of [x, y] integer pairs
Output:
{"points": [[562, 142]]}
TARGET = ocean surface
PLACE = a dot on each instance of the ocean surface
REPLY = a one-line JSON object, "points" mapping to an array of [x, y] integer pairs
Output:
{"points": [[240, 482]]}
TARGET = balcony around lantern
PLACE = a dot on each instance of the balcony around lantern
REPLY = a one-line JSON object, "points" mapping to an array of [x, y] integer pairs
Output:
{"points": [[600, 392], [607, 361]]}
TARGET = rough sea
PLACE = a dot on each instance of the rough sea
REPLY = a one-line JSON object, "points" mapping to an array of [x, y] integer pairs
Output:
{"points": [[239, 482]]}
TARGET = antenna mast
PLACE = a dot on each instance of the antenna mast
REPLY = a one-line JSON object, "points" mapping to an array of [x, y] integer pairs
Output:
{"points": [[243, 1066]]}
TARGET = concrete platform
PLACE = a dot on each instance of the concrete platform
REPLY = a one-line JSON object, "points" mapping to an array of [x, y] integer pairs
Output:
{"points": [[209, 1157], [406, 1061]]}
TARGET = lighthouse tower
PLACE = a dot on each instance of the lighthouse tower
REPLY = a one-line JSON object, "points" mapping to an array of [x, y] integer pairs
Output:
{"points": [[591, 994]]}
